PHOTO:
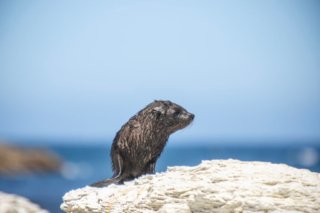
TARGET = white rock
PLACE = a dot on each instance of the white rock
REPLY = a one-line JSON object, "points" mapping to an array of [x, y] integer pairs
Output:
{"points": [[213, 186], [10, 203]]}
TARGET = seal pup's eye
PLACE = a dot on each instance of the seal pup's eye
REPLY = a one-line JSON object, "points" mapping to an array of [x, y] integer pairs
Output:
{"points": [[177, 113]]}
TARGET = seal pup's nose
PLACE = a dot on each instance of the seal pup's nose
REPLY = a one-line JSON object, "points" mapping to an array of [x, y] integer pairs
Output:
{"points": [[191, 116]]}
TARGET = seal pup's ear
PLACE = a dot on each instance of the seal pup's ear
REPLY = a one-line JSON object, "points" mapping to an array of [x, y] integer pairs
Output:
{"points": [[158, 111]]}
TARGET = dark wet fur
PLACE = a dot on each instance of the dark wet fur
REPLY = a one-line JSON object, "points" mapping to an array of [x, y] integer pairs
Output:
{"points": [[140, 141]]}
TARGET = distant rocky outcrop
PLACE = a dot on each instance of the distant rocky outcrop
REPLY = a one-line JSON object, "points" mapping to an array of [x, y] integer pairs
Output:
{"points": [[10, 203], [213, 186], [17, 160]]}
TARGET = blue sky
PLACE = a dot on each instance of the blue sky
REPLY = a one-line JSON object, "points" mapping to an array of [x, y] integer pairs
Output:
{"points": [[80, 69]]}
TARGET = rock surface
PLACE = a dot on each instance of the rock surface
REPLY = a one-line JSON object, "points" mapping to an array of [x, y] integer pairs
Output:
{"points": [[213, 186], [17, 160], [10, 203]]}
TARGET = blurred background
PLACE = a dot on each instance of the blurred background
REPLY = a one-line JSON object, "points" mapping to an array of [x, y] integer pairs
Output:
{"points": [[72, 72]]}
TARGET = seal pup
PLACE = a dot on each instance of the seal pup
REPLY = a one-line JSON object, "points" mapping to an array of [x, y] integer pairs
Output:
{"points": [[140, 142]]}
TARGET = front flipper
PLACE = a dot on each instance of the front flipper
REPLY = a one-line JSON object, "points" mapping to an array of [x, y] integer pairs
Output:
{"points": [[105, 182], [117, 178], [117, 164]]}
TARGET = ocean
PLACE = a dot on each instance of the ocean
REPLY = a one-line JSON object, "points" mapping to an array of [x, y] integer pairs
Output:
{"points": [[85, 164]]}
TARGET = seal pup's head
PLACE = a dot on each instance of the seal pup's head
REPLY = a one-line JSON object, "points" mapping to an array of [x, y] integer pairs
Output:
{"points": [[168, 116]]}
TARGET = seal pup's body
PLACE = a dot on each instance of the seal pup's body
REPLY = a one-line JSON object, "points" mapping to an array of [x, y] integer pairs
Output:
{"points": [[140, 141]]}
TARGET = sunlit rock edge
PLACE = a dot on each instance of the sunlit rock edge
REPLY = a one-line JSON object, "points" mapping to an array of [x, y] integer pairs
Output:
{"points": [[212, 186]]}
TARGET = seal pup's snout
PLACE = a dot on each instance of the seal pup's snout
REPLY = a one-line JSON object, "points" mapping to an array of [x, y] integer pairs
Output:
{"points": [[186, 118]]}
